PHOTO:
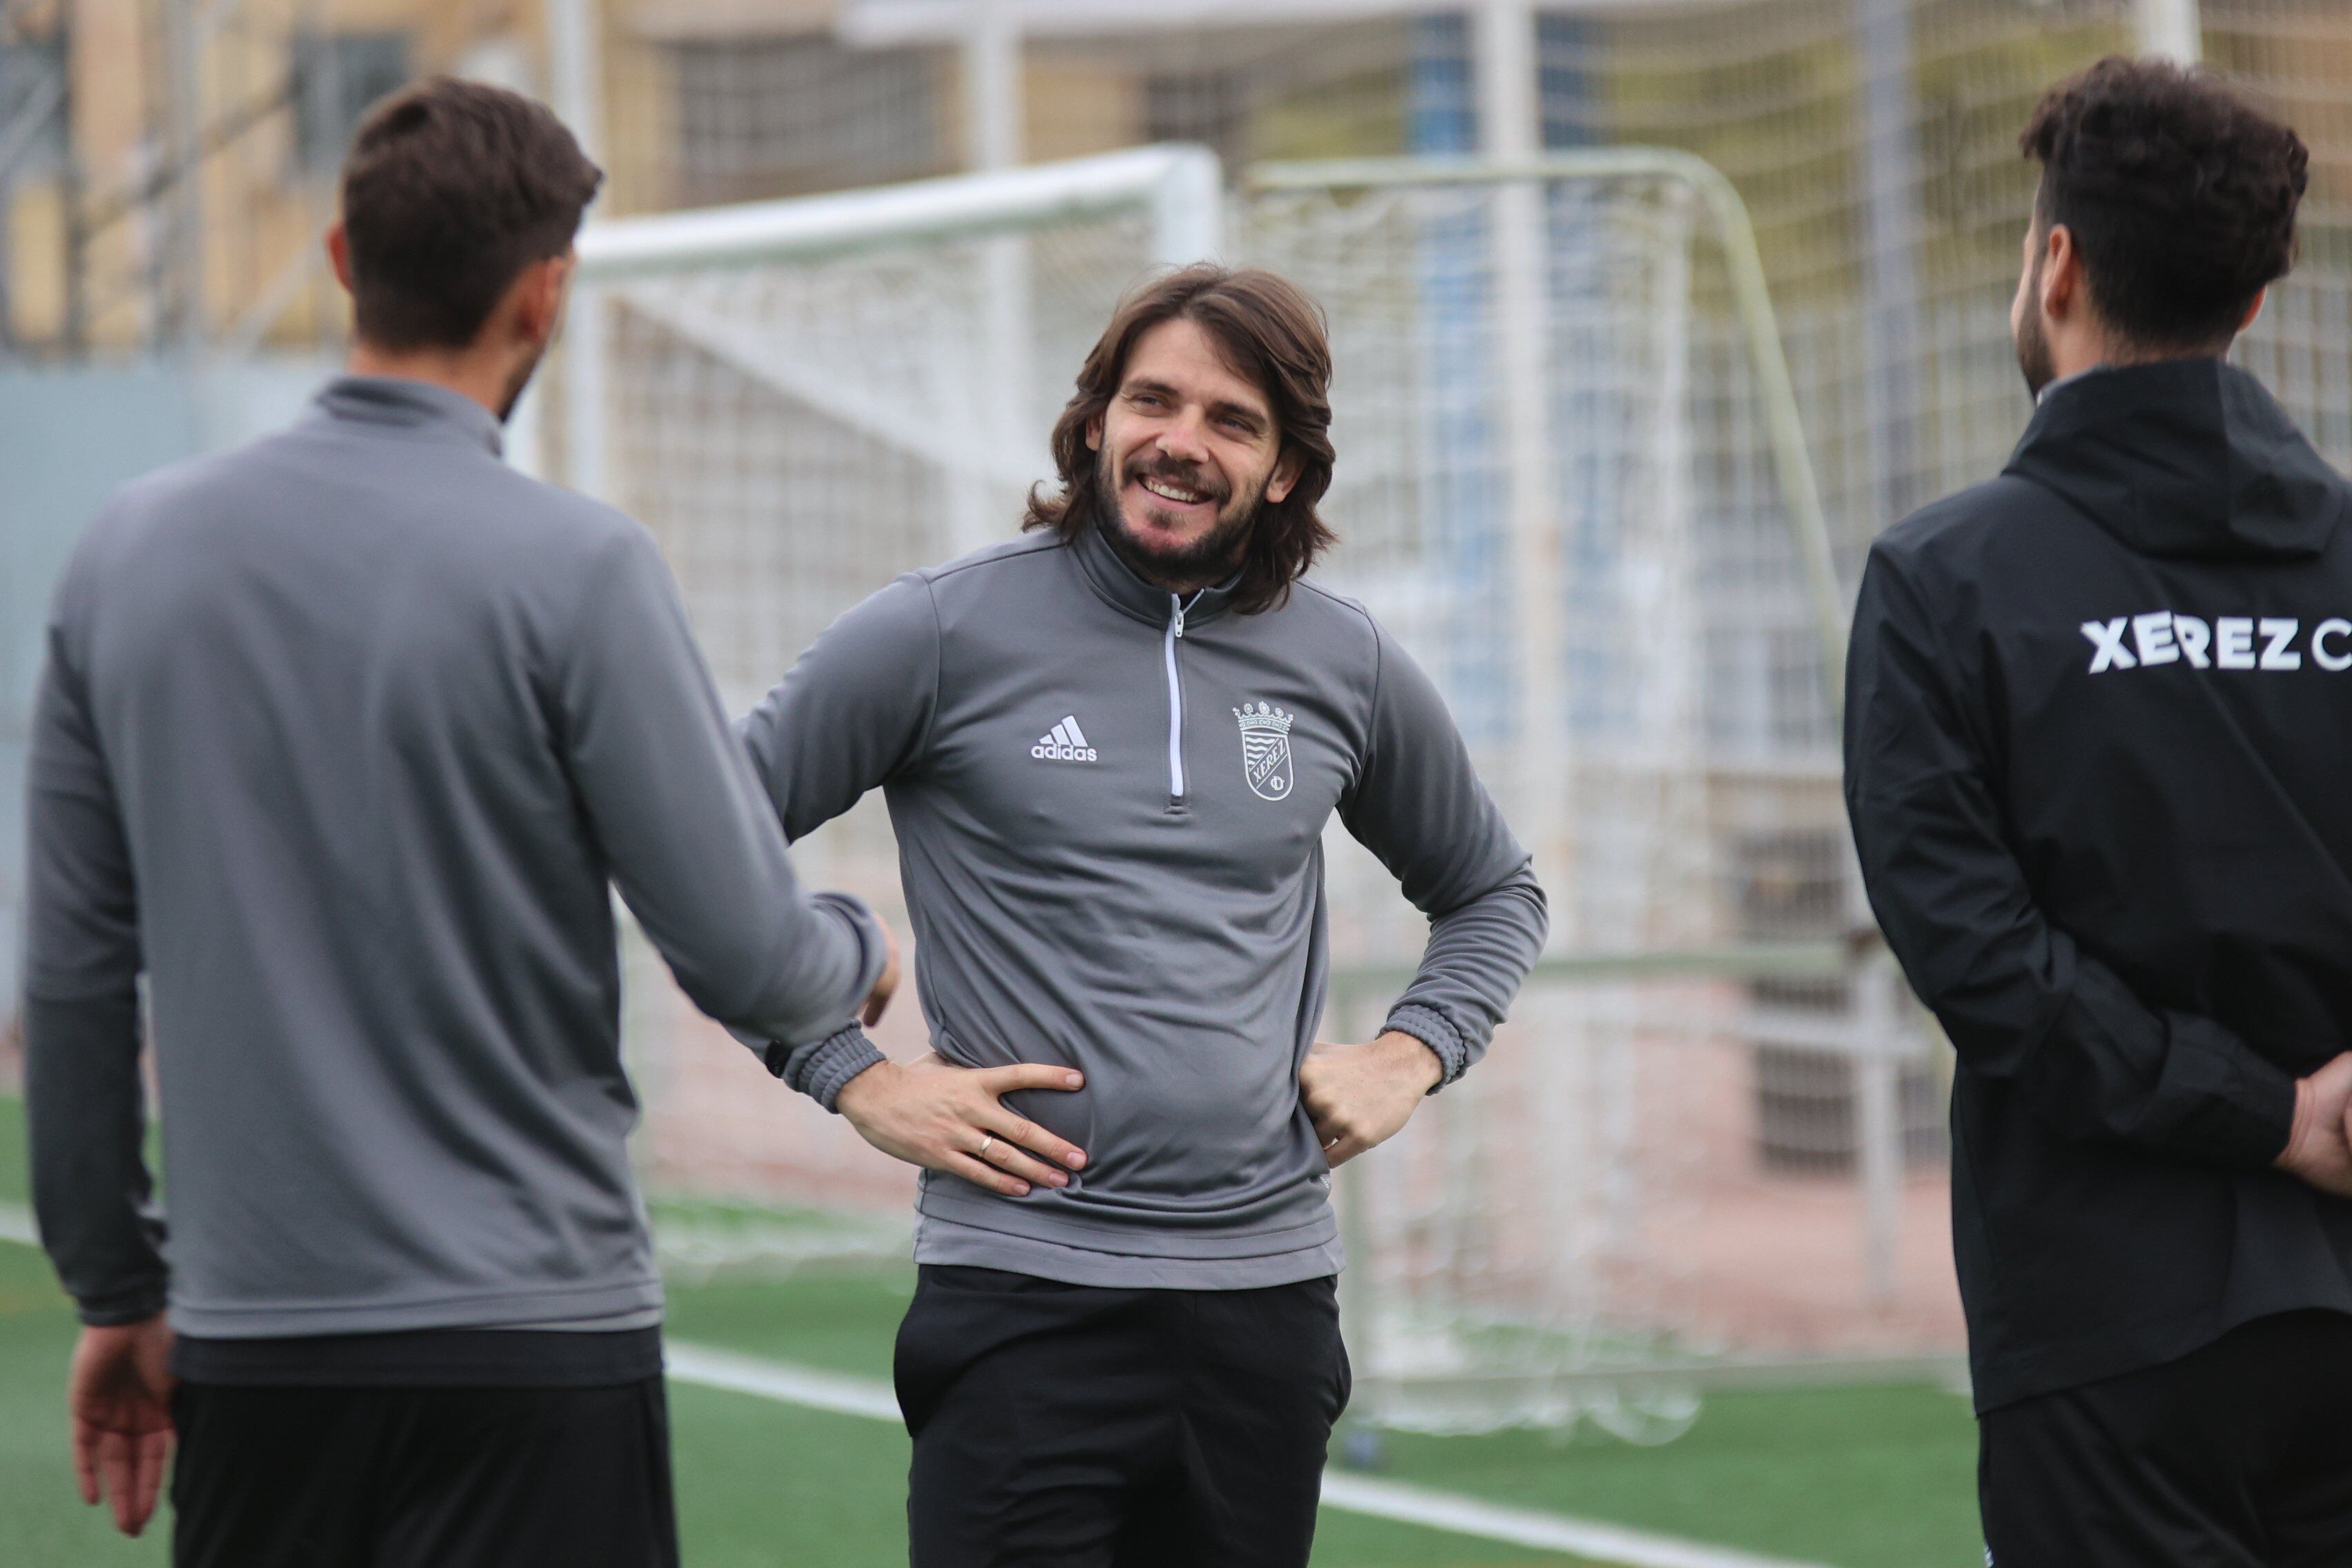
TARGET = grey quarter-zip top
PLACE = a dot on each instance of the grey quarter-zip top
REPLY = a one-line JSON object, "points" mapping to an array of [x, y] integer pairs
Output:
{"points": [[1110, 802], [344, 739]]}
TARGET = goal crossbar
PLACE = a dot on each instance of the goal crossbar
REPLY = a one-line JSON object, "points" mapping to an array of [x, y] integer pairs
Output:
{"points": [[1177, 183], [1178, 186]]}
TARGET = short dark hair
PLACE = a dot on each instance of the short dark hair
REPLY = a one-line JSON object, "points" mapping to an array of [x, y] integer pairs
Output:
{"points": [[2179, 192], [450, 190], [1269, 331]]}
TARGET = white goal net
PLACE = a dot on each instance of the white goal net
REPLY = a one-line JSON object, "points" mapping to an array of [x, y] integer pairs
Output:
{"points": [[1570, 479]]}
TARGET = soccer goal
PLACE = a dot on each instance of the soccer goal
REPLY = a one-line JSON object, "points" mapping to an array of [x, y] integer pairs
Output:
{"points": [[1572, 480]]}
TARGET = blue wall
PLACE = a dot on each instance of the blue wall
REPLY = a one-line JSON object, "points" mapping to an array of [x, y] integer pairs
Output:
{"points": [[68, 435]]}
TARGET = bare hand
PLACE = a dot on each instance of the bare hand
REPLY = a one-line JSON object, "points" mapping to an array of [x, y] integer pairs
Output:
{"points": [[886, 984], [933, 1114], [118, 1400], [2319, 1149], [1360, 1096]]}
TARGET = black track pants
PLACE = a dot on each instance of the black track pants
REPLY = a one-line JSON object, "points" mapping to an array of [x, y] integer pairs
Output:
{"points": [[1071, 1427], [2236, 1455], [423, 1477]]}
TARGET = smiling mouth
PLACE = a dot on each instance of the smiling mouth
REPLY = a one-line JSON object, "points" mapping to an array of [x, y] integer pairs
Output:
{"points": [[1173, 492]]}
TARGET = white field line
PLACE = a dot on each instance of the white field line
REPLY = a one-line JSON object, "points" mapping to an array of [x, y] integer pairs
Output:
{"points": [[775, 1380], [1587, 1538], [1590, 1538], [843, 1395]]}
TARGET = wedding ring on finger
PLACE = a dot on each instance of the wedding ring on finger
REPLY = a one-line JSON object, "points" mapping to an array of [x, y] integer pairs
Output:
{"points": [[985, 1145]]}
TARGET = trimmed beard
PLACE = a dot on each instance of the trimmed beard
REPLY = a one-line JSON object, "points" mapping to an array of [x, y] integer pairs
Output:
{"points": [[2033, 361], [518, 382], [1210, 559]]}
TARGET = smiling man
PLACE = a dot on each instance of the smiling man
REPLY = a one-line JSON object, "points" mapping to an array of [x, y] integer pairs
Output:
{"points": [[1110, 749]]}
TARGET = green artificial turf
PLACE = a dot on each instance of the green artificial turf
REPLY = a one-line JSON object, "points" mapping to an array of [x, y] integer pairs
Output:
{"points": [[1856, 1478], [1859, 1478], [761, 1484], [43, 1523], [15, 1172], [841, 1318]]}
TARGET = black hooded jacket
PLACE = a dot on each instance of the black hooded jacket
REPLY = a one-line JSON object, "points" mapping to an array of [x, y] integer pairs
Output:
{"points": [[2099, 766]]}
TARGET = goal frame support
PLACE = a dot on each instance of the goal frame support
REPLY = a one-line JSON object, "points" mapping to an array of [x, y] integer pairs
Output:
{"points": [[1792, 463]]}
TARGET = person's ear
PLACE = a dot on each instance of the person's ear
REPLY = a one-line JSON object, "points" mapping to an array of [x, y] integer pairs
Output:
{"points": [[1094, 434], [2255, 309], [540, 308], [2062, 273], [339, 254], [1284, 478]]}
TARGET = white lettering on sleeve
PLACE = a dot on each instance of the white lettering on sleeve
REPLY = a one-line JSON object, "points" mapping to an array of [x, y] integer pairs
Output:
{"points": [[2152, 635], [2276, 635], [2108, 639], [2319, 636], [2195, 636], [2233, 640]]}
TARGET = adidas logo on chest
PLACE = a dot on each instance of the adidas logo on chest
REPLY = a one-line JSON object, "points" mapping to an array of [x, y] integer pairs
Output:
{"points": [[1066, 743]]}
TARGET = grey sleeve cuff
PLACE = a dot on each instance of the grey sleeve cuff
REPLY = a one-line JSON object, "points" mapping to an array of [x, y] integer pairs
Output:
{"points": [[1431, 1028], [823, 1069]]}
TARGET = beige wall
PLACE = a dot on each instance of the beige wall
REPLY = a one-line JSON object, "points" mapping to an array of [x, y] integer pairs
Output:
{"points": [[261, 213]]}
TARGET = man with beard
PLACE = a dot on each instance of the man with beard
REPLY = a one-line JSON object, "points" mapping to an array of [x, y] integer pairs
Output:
{"points": [[2096, 758], [1109, 751], [343, 739]]}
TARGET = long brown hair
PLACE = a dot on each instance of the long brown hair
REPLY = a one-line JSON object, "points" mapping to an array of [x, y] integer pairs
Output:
{"points": [[1269, 332]]}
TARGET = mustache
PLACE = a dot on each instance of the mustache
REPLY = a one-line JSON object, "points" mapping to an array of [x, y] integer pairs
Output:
{"points": [[1183, 476]]}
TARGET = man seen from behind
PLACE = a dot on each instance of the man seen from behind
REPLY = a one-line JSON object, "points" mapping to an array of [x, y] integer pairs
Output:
{"points": [[2096, 751], [342, 740]]}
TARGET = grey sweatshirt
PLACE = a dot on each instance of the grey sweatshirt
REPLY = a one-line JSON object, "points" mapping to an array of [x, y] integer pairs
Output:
{"points": [[1110, 816], [339, 738]]}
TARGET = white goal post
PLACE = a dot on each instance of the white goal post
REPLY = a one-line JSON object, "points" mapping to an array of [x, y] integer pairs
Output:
{"points": [[1573, 481], [1792, 463]]}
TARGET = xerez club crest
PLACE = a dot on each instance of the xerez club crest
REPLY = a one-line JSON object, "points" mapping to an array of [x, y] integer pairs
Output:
{"points": [[1266, 749]]}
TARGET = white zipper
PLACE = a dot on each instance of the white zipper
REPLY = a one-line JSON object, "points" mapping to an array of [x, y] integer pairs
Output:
{"points": [[1176, 607]]}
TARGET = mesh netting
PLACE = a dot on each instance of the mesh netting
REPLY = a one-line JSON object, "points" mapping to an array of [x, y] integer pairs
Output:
{"points": [[1635, 1173], [1556, 486], [796, 434]]}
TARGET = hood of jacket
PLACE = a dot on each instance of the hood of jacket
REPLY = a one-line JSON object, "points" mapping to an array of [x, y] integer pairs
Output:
{"points": [[2188, 458]]}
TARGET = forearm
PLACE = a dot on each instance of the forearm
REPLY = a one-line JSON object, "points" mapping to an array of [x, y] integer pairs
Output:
{"points": [[2113, 1068], [748, 944], [684, 826], [1476, 959], [84, 1107], [2093, 1060], [2019, 1000], [820, 984]]}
